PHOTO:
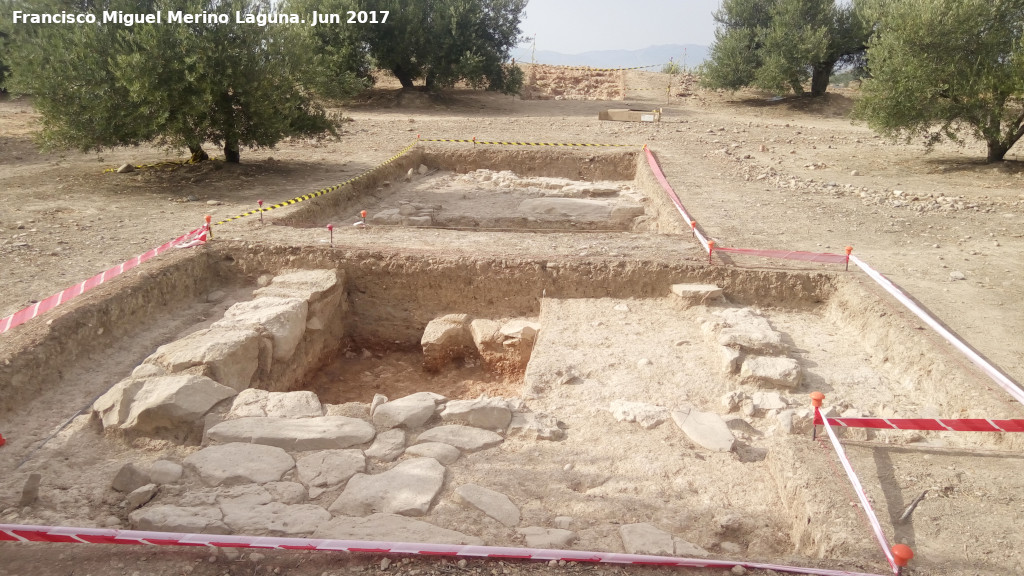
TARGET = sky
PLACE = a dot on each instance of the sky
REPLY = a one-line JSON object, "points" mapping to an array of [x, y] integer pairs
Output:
{"points": [[575, 26]]}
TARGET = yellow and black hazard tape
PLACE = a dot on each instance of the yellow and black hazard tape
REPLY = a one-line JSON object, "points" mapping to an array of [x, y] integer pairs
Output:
{"points": [[320, 192], [167, 163], [598, 69], [502, 143]]}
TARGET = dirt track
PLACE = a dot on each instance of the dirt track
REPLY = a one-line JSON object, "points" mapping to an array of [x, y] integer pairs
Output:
{"points": [[755, 174]]}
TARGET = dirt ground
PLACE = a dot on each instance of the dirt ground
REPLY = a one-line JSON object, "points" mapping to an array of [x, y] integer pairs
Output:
{"points": [[756, 173]]}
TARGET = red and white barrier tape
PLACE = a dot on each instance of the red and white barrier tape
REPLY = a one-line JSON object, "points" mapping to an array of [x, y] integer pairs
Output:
{"points": [[932, 424], [672, 195], [195, 237], [865, 504], [1001, 379], [20, 533]]}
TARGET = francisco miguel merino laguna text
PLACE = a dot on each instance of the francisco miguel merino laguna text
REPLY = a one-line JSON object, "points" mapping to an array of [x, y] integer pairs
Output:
{"points": [[178, 17]]}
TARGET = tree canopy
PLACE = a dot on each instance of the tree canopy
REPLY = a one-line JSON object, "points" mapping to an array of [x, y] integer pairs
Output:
{"points": [[943, 68], [183, 84], [778, 45], [439, 41]]}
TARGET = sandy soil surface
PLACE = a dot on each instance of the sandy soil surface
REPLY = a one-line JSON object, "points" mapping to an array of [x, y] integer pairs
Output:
{"points": [[792, 174]]}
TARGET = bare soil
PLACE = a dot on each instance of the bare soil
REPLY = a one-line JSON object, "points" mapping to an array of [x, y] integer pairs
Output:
{"points": [[756, 173]]}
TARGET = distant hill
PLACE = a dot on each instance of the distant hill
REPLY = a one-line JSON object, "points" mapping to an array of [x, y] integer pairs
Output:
{"points": [[695, 54]]}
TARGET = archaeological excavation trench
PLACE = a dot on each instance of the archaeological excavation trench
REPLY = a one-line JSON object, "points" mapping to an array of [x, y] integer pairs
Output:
{"points": [[632, 404]]}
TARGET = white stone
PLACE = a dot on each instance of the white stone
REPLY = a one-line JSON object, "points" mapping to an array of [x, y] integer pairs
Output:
{"points": [[465, 438], [535, 425], [147, 370], [411, 411], [387, 446], [443, 453], [391, 528], [298, 404], [730, 359], [113, 406], [188, 519], [328, 469], [486, 335], [555, 538], [386, 217], [407, 489], [130, 477], [520, 328], [697, 293], [643, 538], [768, 401], [322, 289], [494, 504], [323, 433], [238, 463], [489, 413], [230, 355], [745, 329], [733, 400], [249, 402], [141, 495], [276, 519], [648, 416], [563, 522], [771, 371], [170, 402], [165, 472], [378, 399], [705, 429], [284, 319], [446, 338]]}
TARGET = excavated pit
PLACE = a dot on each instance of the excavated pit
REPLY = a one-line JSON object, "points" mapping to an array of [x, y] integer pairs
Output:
{"points": [[609, 332]]}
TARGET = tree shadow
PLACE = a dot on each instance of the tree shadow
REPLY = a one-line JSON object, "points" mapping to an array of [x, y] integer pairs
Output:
{"points": [[828, 105]]}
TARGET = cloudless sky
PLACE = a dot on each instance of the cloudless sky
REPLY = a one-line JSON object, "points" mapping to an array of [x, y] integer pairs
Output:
{"points": [[574, 26]]}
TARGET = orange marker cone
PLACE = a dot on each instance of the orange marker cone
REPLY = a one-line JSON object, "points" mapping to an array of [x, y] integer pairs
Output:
{"points": [[816, 399], [902, 555]]}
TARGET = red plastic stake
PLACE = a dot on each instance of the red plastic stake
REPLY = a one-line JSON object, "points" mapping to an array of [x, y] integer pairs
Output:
{"points": [[2, 440], [362, 215], [330, 228], [260, 202], [711, 249], [693, 228], [901, 555], [848, 250], [209, 232], [816, 399]]}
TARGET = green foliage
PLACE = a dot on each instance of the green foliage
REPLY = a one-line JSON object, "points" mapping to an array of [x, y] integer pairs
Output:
{"points": [[445, 41], [672, 68], [942, 68], [179, 84], [778, 45], [337, 64]]}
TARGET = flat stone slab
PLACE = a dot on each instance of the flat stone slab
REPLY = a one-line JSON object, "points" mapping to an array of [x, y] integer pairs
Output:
{"points": [[189, 519], [488, 413], [387, 446], [465, 438], [535, 425], [329, 469], [391, 528], [570, 208], [443, 453], [306, 284], [644, 538], [284, 319], [277, 519], [648, 416], [539, 537], [697, 293], [239, 463], [494, 504], [229, 354], [323, 433], [256, 402], [705, 429], [771, 371], [410, 411], [173, 402], [407, 489]]}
